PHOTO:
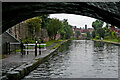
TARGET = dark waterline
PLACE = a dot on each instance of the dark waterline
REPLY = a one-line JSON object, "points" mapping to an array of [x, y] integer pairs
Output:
{"points": [[80, 59]]}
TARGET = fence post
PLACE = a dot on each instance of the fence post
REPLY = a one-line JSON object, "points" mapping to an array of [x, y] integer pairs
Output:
{"points": [[36, 48], [39, 49]]}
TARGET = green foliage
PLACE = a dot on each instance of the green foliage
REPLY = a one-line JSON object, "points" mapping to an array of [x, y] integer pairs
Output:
{"points": [[49, 43], [114, 34], [112, 40], [65, 30], [53, 27], [45, 20], [57, 45], [118, 38], [34, 25], [19, 50], [107, 31], [97, 37], [28, 41], [97, 24], [44, 24], [42, 46], [107, 37], [101, 32]]}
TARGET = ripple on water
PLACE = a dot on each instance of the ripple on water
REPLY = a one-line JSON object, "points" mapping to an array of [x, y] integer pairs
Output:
{"points": [[85, 59]]}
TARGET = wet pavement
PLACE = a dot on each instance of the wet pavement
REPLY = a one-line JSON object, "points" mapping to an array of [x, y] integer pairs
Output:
{"points": [[15, 60]]}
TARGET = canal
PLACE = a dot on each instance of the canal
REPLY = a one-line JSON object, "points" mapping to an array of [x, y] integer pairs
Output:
{"points": [[80, 59]]}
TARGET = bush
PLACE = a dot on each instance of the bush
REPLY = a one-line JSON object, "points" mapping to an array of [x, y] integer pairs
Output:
{"points": [[107, 37], [97, 37], [118, 38]]}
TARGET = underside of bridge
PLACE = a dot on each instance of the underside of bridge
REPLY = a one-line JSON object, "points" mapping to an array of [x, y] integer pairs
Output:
{"points": [[13, 13]]}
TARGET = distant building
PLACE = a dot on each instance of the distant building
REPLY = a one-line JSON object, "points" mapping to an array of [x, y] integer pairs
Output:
{"points": [[82, 31], [117, 30]]}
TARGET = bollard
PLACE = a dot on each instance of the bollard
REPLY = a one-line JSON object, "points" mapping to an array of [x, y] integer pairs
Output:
{"points": [[39, 49], [27, 48], [24, 50], [21, 47], [36, 48]]}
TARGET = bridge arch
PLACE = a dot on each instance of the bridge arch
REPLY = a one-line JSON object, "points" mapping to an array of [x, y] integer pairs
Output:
{"points": [[14, 12]]}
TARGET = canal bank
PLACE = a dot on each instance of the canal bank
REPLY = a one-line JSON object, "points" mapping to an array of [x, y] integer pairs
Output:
{"points": [[115, 43], [26, 68]]}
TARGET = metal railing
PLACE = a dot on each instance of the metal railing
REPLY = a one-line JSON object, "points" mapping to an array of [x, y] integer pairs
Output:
{"points": [[25, 47]]}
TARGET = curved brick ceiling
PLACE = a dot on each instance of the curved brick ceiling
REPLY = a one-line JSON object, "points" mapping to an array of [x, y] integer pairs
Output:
{"points": [[13, 13]]}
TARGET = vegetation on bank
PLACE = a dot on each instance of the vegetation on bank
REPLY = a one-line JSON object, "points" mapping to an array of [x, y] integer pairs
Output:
{"points": [[48, 43], [53, 26], [108, 40], [106, 33]]}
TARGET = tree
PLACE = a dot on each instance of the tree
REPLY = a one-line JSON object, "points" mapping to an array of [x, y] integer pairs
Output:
{"points": [[34, 25], [53, 26], [97, 24], [44, 24], [45, 20], [108, 33], [78, 33], [65, 30], [114, 34], [101, 32]]}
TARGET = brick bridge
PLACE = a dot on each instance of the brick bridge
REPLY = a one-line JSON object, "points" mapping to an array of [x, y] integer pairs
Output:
{"points": [[13, 13]]}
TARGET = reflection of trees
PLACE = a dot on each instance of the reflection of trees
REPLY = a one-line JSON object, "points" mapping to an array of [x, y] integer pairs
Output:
{"points": [[98, 56], [98, 46], [75, 43], [104, 56], [65, 46], [86, 46]]}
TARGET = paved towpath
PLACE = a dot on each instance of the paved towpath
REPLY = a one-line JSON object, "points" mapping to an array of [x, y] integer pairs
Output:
{"points": [[15, 60]]}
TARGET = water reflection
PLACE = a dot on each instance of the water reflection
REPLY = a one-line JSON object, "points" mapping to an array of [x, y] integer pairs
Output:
{"points": [[80, 59], [105, 60]]}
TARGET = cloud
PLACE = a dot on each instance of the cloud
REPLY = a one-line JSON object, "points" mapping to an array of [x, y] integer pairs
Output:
{"points": [[75, 20]]}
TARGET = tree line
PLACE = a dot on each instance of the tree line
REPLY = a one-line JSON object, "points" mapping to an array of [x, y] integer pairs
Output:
{"points": [[53, 26], [103, 32]]}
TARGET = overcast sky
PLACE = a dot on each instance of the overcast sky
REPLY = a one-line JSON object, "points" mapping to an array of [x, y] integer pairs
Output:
{"points": [[75, 20]]}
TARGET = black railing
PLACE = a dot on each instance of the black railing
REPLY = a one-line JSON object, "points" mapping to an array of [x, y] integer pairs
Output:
{"points": [[23, 47]]}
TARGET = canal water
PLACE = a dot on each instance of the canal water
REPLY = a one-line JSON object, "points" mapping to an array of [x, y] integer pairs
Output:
{"points": [[80, 59]]}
